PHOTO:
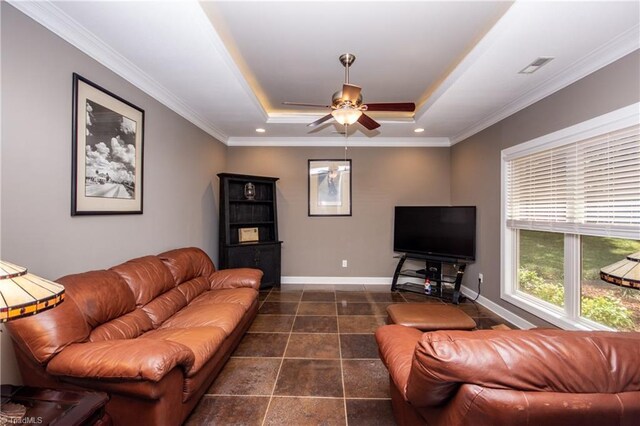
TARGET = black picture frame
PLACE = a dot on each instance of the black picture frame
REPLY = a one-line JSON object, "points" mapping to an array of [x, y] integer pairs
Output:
{"points": [[107, 152], [329, 187]]}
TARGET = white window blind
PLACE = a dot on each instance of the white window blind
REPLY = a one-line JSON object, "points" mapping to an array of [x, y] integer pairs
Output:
{"points": [[588, 187]]}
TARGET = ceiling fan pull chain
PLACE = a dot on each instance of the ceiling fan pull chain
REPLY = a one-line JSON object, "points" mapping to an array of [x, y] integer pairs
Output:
{"points": [[346, 140]]}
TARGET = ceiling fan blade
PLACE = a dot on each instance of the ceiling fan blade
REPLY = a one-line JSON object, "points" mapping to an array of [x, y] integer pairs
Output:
{"points": [[320, 120], [405, 107], [306, 105], [350, 92], [368, 122]]}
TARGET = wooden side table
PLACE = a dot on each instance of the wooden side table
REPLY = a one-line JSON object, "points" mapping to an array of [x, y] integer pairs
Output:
{"points": [[59, 407]]}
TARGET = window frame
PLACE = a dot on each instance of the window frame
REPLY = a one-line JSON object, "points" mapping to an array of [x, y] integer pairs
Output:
{"points": [[567, 317]]}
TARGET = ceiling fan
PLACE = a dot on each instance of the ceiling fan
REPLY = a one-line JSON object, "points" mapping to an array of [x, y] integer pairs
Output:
{"points": [[347, 106]]}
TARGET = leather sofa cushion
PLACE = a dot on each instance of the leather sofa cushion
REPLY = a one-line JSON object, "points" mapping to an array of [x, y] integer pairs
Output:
{"points": [[100, 295], [121, 359], [147, 277], [527, 360], [128, 326], [242, 296], [43, 336], [202, 341], [396, 344], [187, 263], [194, 288], [164, 306], [223, 315]]}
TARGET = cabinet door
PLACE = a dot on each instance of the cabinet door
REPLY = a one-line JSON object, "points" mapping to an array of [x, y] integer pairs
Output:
{"points": [[242, 257], [263, 257], [269, 264]]}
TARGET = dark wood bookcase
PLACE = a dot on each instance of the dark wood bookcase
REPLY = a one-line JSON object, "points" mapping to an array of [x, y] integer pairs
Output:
{"points": [[238, 212]]}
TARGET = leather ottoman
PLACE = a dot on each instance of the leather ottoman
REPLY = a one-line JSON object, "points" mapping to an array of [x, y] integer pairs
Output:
{"points": [[429, 317]]}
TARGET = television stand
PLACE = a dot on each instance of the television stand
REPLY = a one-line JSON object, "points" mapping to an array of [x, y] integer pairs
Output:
{"points": [[433, 271]]}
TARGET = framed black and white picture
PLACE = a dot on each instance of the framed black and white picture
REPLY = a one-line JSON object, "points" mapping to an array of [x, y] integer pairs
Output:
{"points": [[329, 187], [107, 152]]}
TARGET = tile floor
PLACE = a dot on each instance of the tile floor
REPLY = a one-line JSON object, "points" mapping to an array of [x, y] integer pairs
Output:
{"points": [[310, 358]]}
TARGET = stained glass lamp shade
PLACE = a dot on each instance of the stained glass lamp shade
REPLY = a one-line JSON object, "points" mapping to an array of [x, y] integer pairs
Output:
{"points": [[625, 273], [23, 294]]}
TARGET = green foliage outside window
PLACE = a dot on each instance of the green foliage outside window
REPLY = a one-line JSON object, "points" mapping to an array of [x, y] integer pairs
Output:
{"points": [[603, 309]]}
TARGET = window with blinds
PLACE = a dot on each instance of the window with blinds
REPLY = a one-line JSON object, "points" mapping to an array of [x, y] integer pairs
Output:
{"points": [[590, 187]]}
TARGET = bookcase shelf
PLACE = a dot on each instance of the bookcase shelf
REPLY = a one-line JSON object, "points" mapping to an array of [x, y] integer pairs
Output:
{"points": [[237, 212]]}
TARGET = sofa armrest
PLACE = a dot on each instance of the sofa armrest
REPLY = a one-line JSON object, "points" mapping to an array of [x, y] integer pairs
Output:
{"points": [[397, 345], [235, 278], [134, 359]]}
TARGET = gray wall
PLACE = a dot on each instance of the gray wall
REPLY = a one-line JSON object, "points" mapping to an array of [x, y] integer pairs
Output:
{"points": [[37, 231], [475, 162], [382, 178]]}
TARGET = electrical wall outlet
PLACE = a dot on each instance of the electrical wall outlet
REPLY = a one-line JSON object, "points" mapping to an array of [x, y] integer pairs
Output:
{"points": [[344, 263], [481, 278]]}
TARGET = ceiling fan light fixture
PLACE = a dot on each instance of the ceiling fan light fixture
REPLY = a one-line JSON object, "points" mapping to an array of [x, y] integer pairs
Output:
{"points": [[346, 115]]}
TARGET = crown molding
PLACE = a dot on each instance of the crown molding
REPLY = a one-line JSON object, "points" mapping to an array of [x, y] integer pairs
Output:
{"points": [[47, 14], [340, 142], [600, 57]]}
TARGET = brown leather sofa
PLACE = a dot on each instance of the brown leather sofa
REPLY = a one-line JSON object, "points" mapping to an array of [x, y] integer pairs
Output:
{"points": [[152, 332], [512, 377]]}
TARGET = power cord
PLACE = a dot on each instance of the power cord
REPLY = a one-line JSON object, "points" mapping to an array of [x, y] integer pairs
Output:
{"points": [[478, 294]]}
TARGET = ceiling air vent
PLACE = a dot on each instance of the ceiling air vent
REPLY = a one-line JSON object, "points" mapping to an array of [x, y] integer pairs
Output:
{"points": [[536, 65]]}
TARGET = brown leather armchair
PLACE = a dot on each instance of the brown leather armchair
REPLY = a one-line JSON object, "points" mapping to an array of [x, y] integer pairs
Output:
{"points": [[512, 377], [152, 332]]}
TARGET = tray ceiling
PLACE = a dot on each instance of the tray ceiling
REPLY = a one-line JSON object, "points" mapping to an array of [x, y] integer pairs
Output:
{"points": [[228, 66]]}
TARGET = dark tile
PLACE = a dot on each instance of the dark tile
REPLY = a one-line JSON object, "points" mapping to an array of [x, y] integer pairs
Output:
{"points": [[475, 310], [416, 297], [284, 296], [386, 297], [263, 295], [351, 296], [262, 345], [229, 410], [358, 346], [483, 323], [360, 323], [317, 308], [350, 287], [380, 308], [309, 377], [289, 287], [246, 376], [316, 324], [373, 288], [281, 308], [305, 412], [356, 308], [320, 287], [318, 296], [272, 323], [315, 345], [370, 412], [365, 379]]}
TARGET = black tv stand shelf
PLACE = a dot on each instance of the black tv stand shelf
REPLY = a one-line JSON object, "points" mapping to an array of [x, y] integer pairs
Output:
{"points": [[433, 270]]}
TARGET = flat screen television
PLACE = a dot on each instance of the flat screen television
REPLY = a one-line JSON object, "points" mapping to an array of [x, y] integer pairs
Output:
{"points": [[440, 233]]}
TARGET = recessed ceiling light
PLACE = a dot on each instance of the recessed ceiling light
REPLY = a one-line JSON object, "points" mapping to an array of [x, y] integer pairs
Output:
{"points": [[260, 130], [418, 130]]}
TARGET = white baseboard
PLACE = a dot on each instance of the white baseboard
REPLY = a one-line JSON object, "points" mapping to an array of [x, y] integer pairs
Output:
{"points": [[337, 280], [497, 309]]}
